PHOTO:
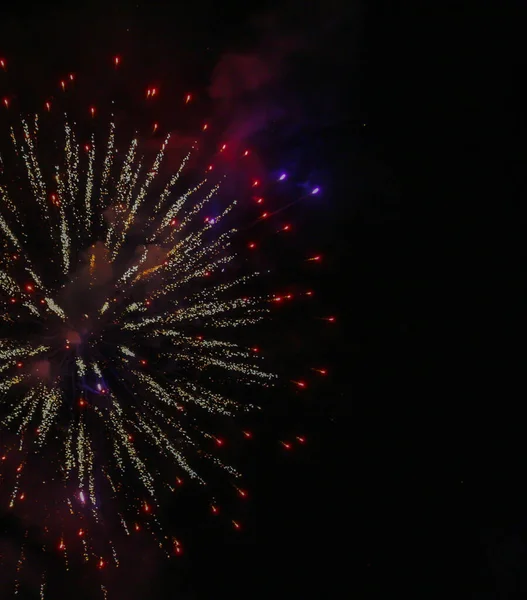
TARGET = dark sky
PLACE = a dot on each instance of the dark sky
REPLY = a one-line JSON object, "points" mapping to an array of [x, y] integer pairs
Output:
{"points": [[299, 86], [376, 104]]}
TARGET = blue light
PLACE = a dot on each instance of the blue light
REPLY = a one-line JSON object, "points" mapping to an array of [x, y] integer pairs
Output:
{"points": [[282, 177], [315, 191]]}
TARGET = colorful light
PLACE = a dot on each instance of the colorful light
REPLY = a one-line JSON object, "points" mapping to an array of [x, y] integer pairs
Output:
{"points": [[151, 270]]}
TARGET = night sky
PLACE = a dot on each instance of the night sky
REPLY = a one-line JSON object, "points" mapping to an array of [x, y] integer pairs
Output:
{"points": [[402, 486]]}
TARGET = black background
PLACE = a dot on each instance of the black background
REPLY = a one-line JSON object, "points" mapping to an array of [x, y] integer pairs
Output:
{"points": [[412, 479]]}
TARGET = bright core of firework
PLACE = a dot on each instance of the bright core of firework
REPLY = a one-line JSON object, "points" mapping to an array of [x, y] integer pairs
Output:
{"points": [[113, 330]]}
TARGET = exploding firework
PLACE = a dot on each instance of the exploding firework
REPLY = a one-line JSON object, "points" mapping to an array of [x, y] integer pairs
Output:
{"points": [[121, 288]]}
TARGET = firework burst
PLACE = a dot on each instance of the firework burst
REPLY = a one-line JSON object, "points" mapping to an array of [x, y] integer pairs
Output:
{"points": [[120, 292]]}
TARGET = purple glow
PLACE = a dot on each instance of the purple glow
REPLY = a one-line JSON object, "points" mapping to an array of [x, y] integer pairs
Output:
{"points": [[315, 191], [212, 221], [282, 177], [81, 495]]}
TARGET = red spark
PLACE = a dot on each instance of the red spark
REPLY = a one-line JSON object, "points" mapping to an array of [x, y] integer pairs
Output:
{"points": [[223, 147], [72, 76], [29, 287], [248, 434], [255, 349], [2, 63], [116, 60], [19, 365], [62, 545], [82, 402], [286, 445], [278, 299], [143, 362], [154, 91], [6, 102], [179, 481], [63, 85], [87, 147], [13, 300], [219, 441], [22, 496], [155, 127], [301, 439], [146, 507], [242, 493], [215, 509], [321, 371], [316, 258], [42, 301], [256, 183], [92, 110], [289, 296], [48, 106], [137, 528], [264, 215], [173, 222], [300, 384], [259, 200], [330, 319], [130, 438], [147, 302], [236, 525], [252, 245], [205, 127], [101, 563], [210, 167], [148, 92], [188, 98], [286, 228], [310, 293], [246, 153], [81, 532]]}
